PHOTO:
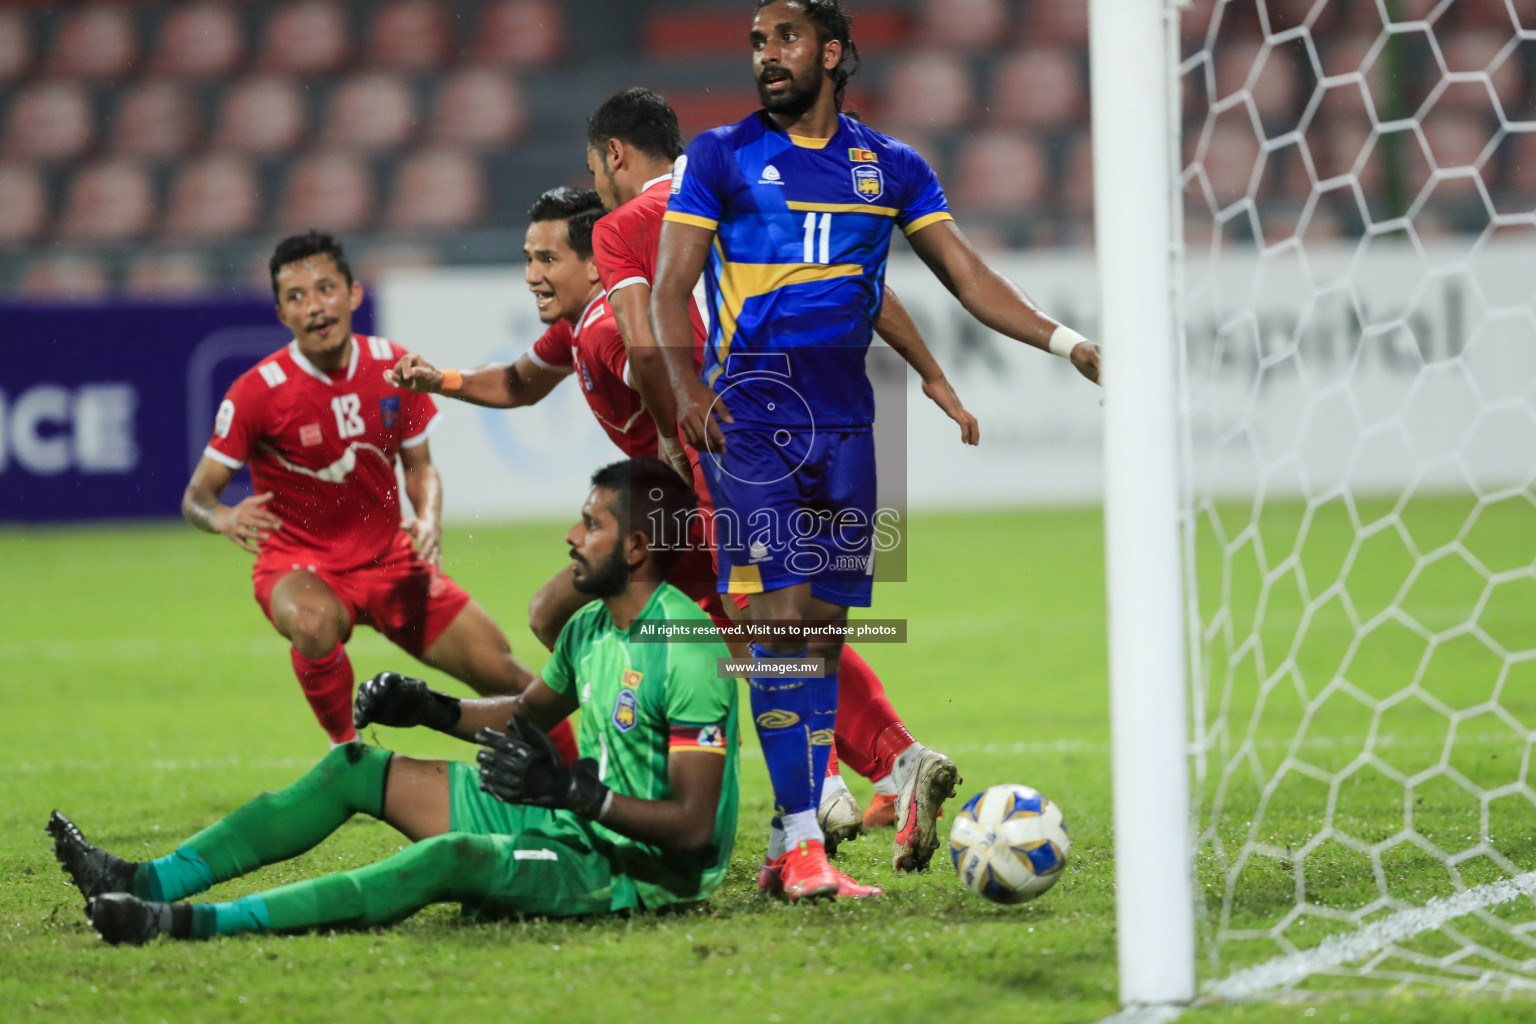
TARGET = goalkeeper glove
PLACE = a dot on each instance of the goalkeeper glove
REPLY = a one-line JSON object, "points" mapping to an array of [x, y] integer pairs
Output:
{"points": [[522, 766], [392, 699]]}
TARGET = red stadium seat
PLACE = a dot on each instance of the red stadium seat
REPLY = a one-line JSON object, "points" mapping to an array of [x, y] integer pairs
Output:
{"points": [[372, 111], [166, 275], [1275, 87], [23, 204], [377, 260], [1229, 163], [155, 119], [329, 192], [108, 202], [1478, 52], [15, 46], [308, 37], [410, 34], [94, 43], [1456, 142], [214, 197], [200, 41], [1039, 89], [965, 24], [1055, 23], [520, 33], [701, 111], [50, 121], [65, 276], [928, 91], [1076, 192], [478, 107], [437, 190], [262, 116], [1000, 172]]}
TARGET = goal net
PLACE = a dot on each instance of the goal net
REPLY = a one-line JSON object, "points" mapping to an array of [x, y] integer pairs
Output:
{"points": [[1358, 411]]}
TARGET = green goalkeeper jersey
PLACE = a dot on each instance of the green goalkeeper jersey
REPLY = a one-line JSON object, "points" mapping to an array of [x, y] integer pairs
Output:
{"points": [[639, 702]]}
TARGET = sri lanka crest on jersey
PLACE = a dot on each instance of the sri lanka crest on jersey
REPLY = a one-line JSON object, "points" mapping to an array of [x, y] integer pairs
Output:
{"points": [[868, 183], [624, 709]]}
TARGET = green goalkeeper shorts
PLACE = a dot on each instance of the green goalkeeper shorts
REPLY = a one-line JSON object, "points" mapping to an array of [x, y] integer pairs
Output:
{"points": [[552, 863]]}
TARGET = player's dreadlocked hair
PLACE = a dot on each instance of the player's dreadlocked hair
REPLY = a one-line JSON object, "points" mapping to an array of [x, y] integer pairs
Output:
{"points": [[640, 118], [652, 499], [578, 207], [302, 247], [832, 22]]}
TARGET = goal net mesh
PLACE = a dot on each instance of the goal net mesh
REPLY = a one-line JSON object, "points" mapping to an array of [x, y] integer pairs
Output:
{"points": [[1358, 401]]}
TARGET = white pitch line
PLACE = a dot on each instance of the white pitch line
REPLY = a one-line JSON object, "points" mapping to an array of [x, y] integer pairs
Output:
{"points": [[1374, 937]]}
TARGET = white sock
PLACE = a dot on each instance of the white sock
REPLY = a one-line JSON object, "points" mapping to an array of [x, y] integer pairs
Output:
{"points": [[887, 786], [831, 787], [906, 763], [801, 827], [777, 844]]}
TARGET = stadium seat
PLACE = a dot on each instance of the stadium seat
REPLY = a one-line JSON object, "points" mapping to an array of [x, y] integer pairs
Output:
{"points": [[23, 204], [375, 261], [166, 274], [94, 43], [308, 37], [1076, 190], [520, 33], [112, 201], [1000, 172], [155, 119], [262, 116], [1476, 52], [437, 190], [702, 110], [1337, 145], [372, 111], [1055, 23], [411, 35], [64, 276], [15, 46], [1519, 179], [1039, 89], [1229, 163], [964, 24], [200, 41], [477, 107], [928, 91], [1456, 141], [214, 197], [49, 121], [1275, 87], [328, 191]]}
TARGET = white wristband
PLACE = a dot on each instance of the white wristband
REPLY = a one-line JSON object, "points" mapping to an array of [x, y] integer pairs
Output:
{"points": [[1063, 341]]}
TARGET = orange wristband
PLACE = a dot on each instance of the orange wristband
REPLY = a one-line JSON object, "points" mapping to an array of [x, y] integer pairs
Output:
{"points": [[453, 380]]}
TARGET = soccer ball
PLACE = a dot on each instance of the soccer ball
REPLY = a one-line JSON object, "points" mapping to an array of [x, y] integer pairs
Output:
{"points": [[1009, 844]]}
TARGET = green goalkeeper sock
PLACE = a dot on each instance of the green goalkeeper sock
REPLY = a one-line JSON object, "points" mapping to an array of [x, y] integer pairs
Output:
{"points": [[455, 866], [272, 827]]}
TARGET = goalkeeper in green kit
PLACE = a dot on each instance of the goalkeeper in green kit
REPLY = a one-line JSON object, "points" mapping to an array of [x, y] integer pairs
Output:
{"points": [[646, 818]]}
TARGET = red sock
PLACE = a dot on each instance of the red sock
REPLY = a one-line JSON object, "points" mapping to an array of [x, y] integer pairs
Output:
{"points": [[832, 768], [869, 732], [564, 739], [327, 685]]}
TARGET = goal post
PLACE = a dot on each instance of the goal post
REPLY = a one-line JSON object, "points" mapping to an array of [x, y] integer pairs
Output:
{"points": [[1135, 156]]}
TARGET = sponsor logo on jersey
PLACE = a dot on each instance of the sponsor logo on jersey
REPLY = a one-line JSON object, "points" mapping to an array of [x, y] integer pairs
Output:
{"points": [[679, 168], [631, 678], [771, 176], [868, 183], [624, 711], [821, 738], [309, 435], [389, 408], [757, 551], [777, 719], [225, 419], [862, 156]]}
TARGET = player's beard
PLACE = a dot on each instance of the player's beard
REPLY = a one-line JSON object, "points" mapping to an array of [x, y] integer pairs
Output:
{"points": [[607, 580], [796, 99]]}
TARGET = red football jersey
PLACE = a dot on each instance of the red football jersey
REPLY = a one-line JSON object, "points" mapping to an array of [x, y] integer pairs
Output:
{"points": [[594, 350], [625, 241], [325, 445]]}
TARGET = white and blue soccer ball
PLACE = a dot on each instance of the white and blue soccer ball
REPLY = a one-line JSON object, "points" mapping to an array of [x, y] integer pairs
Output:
{"points": [[1009, 844]]}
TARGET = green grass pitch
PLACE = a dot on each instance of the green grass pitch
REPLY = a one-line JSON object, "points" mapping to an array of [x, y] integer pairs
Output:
{"points": [[145, 694]]}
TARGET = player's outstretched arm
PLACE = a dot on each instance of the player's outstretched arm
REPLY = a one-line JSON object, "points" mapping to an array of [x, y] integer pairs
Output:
{"points": [[996, 301], [247, 524], [403, 702], [680, 257], [522, 766], [494, 385], [897, 328], [424, 486]]}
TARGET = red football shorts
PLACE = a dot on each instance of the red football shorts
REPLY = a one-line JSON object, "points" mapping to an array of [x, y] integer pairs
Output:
{"points": [[400, 596]]}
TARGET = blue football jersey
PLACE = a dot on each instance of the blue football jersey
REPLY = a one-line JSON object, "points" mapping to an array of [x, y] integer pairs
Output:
{"points": [[797, 271]]}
